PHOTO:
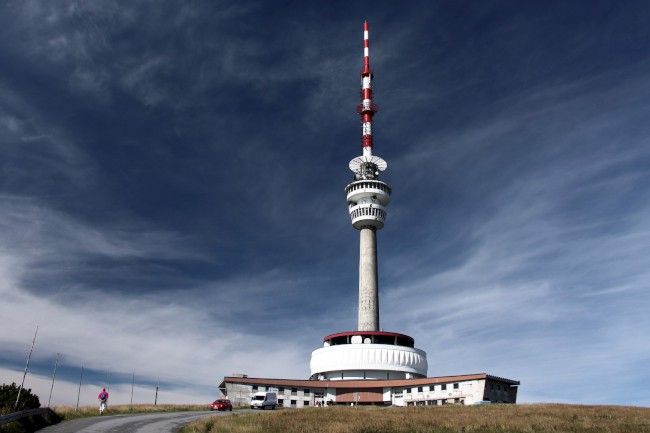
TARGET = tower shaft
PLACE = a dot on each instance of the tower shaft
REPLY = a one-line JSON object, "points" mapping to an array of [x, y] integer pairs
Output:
{"points": [[368, 285]]}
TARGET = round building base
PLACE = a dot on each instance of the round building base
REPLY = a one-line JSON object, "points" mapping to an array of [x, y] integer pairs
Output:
{"points": [[368, 355]]}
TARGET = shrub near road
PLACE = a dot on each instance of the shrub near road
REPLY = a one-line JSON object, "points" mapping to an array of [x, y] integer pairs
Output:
{"points": [[445, 419], [8, 395]]}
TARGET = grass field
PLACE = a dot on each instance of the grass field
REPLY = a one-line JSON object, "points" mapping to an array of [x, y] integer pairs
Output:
{"points": [[445, 419], [71, 412]]}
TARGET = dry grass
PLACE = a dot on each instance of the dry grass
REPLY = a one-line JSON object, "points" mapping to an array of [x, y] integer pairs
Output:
{"points": [[71, 412], [447, 419]]}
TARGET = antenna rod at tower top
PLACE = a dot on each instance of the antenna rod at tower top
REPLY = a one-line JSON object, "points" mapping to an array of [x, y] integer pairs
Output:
{"points": [[366, 49]]}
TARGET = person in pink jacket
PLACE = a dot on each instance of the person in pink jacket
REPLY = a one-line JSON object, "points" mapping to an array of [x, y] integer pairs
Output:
{"points": [[103, 398]]}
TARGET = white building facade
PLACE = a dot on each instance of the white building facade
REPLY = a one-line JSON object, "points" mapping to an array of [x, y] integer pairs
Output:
{"points": [[427, 391]]}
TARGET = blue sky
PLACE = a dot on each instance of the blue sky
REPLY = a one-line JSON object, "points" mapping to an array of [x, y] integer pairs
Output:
{"points": [[172, 206]]}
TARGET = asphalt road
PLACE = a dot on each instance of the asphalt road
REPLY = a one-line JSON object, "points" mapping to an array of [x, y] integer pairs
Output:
{"points": [[166, 422]]}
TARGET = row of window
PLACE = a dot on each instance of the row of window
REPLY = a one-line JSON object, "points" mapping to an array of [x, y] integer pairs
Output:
{"points": [[373, 185], [431, 388], [281, 389], [435, 402], [498, 387], [364, 211], [292, 403]]}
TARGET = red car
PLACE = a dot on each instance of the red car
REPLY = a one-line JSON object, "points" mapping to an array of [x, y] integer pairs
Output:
{"points": [[221, 404]]}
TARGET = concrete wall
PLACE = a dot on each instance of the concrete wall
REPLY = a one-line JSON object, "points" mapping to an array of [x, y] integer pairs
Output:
{"points": [[499, 392]]}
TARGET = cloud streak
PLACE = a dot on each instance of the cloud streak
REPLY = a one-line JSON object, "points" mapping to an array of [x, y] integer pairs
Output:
{"points": [[556, 267]]}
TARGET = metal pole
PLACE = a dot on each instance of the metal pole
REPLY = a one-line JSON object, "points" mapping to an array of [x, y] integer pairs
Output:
{"points": [[53, 376], [132, 383], [155, 403], [26, 366], [81, 378]]}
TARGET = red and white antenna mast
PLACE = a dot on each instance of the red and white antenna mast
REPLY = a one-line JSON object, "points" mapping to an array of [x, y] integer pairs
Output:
{"points": [[367, 166], [366, 109]]}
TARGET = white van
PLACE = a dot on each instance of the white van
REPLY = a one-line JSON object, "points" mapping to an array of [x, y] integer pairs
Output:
{"points": [[262, 400]]}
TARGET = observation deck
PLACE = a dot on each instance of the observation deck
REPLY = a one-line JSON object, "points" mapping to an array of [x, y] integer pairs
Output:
{"points": [[367, 200]]}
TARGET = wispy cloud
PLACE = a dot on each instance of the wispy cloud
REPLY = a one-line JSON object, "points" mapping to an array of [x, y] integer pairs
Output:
{"points": [[156, 335], [558, 255]]}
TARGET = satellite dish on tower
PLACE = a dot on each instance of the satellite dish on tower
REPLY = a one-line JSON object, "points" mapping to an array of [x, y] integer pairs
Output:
{"points": [[355, 164]]}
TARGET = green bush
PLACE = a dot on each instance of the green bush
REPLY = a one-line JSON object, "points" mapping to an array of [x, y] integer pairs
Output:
{"points": [[8, 394]]}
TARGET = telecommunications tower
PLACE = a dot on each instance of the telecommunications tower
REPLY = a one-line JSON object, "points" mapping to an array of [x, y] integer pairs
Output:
{"points": [[368, 352]]}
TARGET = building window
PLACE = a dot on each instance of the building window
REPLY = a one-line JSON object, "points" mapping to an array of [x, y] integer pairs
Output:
{"points": [[281, 389], [293, 403], [420, 389], [294, 390], [280, 402], [444, 401], [254, 387], [455, 386], [407, 391], [307, 391], [443, 387], [305, 403]]}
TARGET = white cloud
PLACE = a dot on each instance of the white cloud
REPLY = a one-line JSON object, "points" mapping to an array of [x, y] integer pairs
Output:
{"points": [[174, 336]]}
